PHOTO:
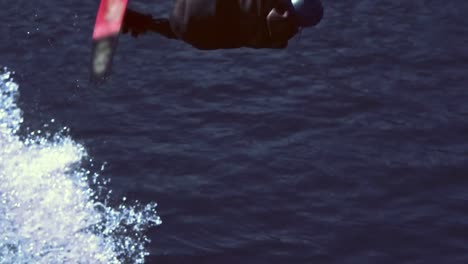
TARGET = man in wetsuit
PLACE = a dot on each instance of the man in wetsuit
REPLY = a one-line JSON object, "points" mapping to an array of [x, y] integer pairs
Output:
{"points": [[223, 24]]}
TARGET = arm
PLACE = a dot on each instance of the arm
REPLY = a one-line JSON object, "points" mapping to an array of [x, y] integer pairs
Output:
{"points": [[137, 23]]}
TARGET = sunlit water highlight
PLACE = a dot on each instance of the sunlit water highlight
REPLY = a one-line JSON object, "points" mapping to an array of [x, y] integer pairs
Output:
{"points": [[52, 210]]}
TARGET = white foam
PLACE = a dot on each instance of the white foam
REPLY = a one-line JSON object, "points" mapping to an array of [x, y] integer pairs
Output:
{"points": [[48, 211]]}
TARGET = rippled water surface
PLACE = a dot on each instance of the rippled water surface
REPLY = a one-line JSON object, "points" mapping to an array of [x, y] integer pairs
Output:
{"points": [[350, 146]]}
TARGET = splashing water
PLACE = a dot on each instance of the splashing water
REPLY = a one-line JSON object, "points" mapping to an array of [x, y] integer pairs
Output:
{"points": [[48, 211]]}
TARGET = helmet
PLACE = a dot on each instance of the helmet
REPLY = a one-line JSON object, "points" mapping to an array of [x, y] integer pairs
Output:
{"points": [[309, 12]]}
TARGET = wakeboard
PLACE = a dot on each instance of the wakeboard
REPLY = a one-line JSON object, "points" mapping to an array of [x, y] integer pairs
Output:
{"points": [[105, 37]]}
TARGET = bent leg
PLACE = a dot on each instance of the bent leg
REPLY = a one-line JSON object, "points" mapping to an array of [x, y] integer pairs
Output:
{"points": [[137, 23]]}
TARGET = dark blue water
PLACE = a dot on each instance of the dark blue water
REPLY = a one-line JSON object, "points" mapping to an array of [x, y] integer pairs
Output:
{"points": [[350, 146]]}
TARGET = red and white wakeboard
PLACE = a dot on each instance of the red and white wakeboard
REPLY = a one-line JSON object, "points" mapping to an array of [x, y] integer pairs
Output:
{"points": [[105, 37]]}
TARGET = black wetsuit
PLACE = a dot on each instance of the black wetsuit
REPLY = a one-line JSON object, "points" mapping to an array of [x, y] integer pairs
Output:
{"points": [[212, 24]]}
